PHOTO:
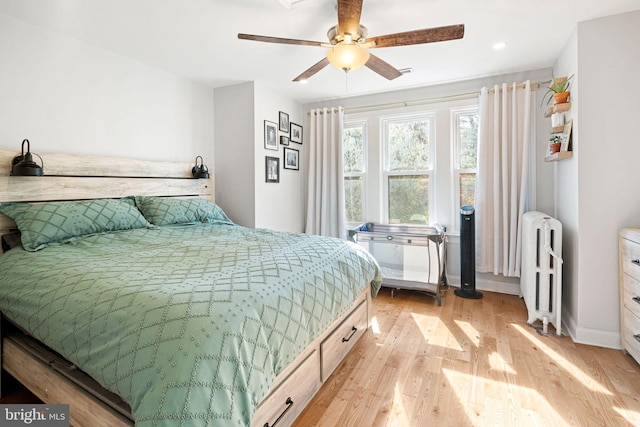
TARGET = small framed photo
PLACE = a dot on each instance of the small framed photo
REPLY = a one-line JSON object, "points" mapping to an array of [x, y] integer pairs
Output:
{"points": [[270, 135], [291, 158], [566, 136], [271, 169], [284, 140], [296, 133], [284, 122]]}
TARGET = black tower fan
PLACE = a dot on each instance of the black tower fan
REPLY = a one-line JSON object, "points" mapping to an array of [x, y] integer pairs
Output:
{"points": [[467, 254]]}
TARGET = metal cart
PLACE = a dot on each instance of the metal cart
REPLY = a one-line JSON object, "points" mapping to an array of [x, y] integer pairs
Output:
{"points": [[411, 257]]}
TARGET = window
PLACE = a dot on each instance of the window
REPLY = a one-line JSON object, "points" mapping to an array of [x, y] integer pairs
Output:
{"points": [[465, 155], [408, 166], [354, 161], [411, 165]]}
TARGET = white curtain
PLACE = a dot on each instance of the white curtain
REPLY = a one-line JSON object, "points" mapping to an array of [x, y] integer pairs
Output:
{"points": [[506, 132], [325, 191]]}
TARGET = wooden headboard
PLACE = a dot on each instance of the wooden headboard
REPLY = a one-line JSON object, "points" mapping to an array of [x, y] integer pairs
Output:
{"points": [[74, 177]]}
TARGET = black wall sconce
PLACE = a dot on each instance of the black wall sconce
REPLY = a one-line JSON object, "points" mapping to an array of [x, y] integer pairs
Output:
{"points": [[200, 171], [23, 165]]}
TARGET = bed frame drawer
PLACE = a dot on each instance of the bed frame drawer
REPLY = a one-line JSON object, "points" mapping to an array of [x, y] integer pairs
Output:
{"points": [[287, 401], [342, 339]]}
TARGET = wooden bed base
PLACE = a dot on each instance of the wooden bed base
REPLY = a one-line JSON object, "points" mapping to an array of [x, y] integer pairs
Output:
{"points": [[55, 380]]}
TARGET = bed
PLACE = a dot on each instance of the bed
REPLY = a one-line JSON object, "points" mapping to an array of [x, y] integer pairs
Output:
{"points": [[178, 317]]}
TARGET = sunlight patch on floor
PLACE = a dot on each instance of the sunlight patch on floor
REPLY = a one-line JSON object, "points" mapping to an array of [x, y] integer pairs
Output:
{"points": [[497, 363], [375, 327], [632, 416], [431, 326], [398, 411], [508, 406], [584, 378], [471, 332]]}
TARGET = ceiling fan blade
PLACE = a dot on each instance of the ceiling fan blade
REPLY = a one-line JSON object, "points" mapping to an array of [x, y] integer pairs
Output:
{"points": [[383, 68], [349, 16], [312, 70], [428, 35], [281, 40]]}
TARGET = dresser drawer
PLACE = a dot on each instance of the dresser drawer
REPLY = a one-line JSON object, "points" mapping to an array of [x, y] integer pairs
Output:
{"points": [[631, 294], [342, 339], [630, 258], [630, 330], [287, 401]]}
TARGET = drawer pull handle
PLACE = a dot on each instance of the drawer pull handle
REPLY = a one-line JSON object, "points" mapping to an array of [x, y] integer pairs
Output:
{"points": [[637, 337], [636, 299], [635, 261], [289, 404], [353, 332]]}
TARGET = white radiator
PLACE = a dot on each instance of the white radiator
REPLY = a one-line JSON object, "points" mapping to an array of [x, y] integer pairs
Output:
{"points": [[541, 274]]}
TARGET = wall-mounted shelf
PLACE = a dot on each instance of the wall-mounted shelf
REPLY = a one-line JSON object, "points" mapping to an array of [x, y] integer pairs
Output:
{"points": [[561, 155], [558, 108]]}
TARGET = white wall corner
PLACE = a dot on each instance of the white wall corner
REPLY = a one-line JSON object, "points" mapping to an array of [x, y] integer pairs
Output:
{"points": [[589, 336]]}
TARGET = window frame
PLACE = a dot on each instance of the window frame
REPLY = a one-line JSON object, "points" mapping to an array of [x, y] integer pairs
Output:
{"points": [[386, 173], [456, 170], [350, 124]]}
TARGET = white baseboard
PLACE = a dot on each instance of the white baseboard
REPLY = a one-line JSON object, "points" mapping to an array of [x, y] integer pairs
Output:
{"points": [[589, 336]]}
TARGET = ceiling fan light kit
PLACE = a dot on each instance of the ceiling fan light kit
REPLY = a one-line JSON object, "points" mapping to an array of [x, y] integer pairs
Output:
{"points": [[348, 45], [347, 57]]}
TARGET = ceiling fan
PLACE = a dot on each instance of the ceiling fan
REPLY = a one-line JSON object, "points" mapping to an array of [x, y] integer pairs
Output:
{"points": [[349, 46]]}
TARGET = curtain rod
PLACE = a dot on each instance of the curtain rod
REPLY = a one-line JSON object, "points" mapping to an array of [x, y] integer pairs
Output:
{"points": [[398, 104]]}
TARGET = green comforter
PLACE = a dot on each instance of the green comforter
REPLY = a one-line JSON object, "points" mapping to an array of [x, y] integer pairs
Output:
{"points": [[189, 325]]}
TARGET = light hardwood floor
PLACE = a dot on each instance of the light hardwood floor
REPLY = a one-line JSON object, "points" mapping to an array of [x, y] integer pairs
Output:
{"points": [[473, 363], [468, 363]]}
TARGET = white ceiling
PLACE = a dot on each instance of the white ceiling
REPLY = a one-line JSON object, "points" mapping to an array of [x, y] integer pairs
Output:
{"points": [[197, 39]]}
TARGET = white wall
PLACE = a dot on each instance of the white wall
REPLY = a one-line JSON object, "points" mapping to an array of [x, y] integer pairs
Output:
{"points": [[241, 189], [607, 169], [69, 97], [235, 146], [279, 206]]}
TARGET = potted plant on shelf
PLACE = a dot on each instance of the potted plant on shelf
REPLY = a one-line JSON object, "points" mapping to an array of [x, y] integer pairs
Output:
{"points": [[558, 91], [554, 143]]}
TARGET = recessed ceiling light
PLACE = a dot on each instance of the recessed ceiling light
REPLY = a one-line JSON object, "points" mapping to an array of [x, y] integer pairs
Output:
{"points": [[303, 82], [499, 45]]}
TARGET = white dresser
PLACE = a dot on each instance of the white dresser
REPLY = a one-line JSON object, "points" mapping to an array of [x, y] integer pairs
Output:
{"points": [[629, 272]]}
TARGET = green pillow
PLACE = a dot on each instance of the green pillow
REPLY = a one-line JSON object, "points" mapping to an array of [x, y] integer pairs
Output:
{"points": [[168, 211], [42, 224]]}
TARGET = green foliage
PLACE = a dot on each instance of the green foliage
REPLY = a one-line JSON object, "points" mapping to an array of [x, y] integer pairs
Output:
{"points": [[409, 199], [353, 149], [408, 145], [468, 140], [353, 188]]}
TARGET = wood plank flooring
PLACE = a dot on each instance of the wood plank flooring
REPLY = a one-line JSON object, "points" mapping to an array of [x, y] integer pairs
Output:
{"points": [[467, 363], [473, 363]]}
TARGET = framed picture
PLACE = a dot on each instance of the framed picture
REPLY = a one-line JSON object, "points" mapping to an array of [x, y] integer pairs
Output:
{"points": [[284, 122], [566, 136], [271, 169], [284, 140], [291, 157], [296, 133], [270, 135]]}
